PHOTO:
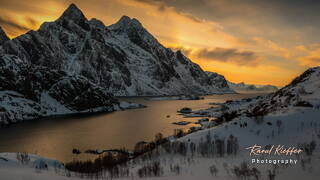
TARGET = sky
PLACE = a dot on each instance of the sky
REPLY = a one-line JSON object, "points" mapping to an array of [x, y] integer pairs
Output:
{"points": [[251, 41]]}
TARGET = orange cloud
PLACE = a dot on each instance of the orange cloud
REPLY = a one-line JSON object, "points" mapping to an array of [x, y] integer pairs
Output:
{"points": [[273, 46], [230, 55], [311, 59]]}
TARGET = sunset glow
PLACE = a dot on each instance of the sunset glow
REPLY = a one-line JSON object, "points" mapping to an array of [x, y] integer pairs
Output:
{"points": [[242, 45]]}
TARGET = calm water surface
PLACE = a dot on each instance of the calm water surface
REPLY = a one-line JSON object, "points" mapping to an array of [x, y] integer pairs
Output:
{"points": [[55, 138]]}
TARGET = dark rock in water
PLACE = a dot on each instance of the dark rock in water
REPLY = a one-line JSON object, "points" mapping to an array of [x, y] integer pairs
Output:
{"points": [[182, 97], [90, 151], [203, 120], [191, 97], [181, 123], [185, 110], [76, 151], [303, 104]]}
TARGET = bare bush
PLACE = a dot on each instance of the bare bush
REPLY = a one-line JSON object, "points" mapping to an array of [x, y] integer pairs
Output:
{"points": [[150, 170], [23, 158], [176, 169], [245, 172], [213, 170]]}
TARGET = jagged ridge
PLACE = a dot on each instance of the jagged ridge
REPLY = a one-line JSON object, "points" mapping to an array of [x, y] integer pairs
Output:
{"points": [[124, 58]]}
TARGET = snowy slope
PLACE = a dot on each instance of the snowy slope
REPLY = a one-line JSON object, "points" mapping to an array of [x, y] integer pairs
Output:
{"points": [[285, 122], [303, 91], [124, 58], [207, 154], [33, 168]]}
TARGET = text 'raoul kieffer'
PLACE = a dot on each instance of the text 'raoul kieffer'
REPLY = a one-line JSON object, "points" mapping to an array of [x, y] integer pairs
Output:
{"points": [[273, 150]]}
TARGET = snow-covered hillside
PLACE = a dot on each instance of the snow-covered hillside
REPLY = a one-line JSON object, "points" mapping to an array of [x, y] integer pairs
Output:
{"points": [[16, 166], [289, 117], [124, 58], [303, 91]]}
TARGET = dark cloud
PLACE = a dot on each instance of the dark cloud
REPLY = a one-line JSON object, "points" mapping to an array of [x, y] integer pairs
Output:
{"points": [[163, 5], [242, 58], [296, 11], [299, 18], [31, 6]]}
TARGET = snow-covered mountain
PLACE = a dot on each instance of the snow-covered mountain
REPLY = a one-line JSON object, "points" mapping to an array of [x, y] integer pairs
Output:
{"points": [[218, 79], [303, 91], [242, 87], [124, 58], [75, 65], [31, 91]]}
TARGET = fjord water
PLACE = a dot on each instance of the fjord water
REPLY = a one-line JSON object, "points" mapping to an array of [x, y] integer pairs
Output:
{"points": [[56, 137]]}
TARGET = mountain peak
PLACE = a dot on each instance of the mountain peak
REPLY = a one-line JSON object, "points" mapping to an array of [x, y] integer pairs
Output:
{"points": [[127, 22], [73, 13], [3, 36], [124, 19]]}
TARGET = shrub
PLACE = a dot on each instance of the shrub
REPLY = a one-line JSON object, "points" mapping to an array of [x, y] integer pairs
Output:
{"points": [[106, 161], [23, 158], [150, 170], [213, 170], [178, 133], [228, 116]]}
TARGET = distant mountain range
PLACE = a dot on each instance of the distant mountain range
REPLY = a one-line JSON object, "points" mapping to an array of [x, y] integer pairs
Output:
{"points": [[242, 87], [77, 65]]}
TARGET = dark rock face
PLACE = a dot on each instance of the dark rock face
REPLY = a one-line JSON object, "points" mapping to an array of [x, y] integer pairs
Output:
{"points": [[30, 92], [218, 80], [124, 58], [80, 94], [3, 37]]}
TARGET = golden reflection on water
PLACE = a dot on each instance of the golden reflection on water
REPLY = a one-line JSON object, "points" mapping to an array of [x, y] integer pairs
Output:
{"points": [[55, 138]]}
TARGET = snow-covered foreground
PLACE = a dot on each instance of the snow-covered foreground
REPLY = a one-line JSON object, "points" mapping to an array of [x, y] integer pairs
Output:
{"points": [[297, 127], [33, 168], [286, 123]]}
